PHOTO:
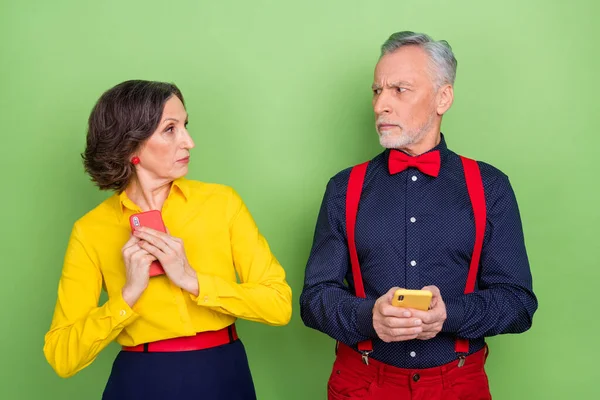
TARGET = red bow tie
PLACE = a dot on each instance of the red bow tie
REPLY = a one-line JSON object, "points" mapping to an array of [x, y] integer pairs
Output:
{"points": [[428, 163]]}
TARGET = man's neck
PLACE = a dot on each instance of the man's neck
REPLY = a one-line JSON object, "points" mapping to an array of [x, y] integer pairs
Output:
{"points": [[428, 142]]}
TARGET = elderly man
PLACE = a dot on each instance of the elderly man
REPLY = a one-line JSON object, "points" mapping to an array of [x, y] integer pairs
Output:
{"points": [[417, 216]]}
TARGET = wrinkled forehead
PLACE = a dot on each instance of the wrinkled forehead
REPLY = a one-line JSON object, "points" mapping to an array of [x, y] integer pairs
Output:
{"points": [[408, 64]]}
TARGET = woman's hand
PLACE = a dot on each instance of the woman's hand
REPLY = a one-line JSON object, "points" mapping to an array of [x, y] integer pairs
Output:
{"points": [[170, 252], [137, 270]]}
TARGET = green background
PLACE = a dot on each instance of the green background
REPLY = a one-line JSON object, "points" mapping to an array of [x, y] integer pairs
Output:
{"points": [[278, 94]]}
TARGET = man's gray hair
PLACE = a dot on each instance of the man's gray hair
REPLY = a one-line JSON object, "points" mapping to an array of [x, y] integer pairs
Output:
{"points": [[440, 53]]}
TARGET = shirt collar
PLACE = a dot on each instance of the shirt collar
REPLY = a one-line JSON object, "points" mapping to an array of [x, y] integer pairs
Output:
{"points": [[179, 187], [183, 186], [441, 146]]}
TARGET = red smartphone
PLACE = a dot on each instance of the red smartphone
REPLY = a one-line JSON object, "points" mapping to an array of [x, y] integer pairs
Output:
{"points": [[151, 219]]}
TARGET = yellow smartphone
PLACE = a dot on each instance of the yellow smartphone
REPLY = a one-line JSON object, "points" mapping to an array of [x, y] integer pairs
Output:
{"points": [[417, 299]]}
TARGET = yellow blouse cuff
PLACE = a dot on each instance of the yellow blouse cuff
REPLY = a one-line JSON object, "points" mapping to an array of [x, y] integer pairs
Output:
{"points": [[207, 291], [120, 310]]}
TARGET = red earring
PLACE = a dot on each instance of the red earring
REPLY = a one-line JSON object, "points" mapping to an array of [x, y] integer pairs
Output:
{"points": [[135, 160]]}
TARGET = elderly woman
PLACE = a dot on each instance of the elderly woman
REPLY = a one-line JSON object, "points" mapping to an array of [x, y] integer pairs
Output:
{"points": [[177, 328]]}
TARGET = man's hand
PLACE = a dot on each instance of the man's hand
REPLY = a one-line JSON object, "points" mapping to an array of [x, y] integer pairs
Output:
{"points": [[434, 318], [395, 324]]}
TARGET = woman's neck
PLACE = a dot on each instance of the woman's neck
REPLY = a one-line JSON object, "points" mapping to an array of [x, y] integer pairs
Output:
{"points": [[148, 194]]}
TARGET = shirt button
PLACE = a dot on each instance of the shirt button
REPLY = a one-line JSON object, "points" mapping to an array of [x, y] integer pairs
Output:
{"points": [[413, 354], [414, 178], [413, 219], [122, 313], [206, 299], [413, 263]]}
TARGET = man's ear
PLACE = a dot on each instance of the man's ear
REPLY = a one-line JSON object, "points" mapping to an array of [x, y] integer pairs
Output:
{"points": [[445, 97]]}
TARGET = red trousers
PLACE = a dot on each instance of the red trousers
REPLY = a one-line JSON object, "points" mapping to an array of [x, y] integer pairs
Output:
{"points": [[352, 379]]}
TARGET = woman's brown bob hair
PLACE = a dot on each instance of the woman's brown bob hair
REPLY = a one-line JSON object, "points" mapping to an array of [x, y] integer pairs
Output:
{"points": [[122, 119]]}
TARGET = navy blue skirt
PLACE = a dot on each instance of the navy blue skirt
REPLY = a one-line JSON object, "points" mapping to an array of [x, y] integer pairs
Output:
{"points": [[218, 373]]}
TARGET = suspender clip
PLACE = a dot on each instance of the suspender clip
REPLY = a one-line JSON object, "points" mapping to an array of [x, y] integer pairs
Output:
{"points": [[365, 356]]}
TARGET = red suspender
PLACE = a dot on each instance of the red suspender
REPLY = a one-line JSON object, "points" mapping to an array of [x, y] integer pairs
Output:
{"points": [[477, 197], [355, 184]]}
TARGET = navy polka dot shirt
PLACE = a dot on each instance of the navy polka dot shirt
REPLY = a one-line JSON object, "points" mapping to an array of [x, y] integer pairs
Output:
{"points": [[415, 230]]}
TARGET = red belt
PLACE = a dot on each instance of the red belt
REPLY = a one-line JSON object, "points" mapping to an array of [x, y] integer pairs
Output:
{"points": [[200, 341]]}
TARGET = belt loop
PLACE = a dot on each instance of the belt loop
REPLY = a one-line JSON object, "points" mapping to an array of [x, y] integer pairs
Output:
{"points": [[230, 331], [446, 381], [380, 374], [145, 347]]}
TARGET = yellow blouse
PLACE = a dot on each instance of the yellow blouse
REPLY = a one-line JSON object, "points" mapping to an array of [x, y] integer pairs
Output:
{"points": [[220, 239]]}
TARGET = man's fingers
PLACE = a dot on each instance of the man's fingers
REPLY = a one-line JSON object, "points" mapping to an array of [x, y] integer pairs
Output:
{"points": [[394, 323], [402, 334], [429, 317], [433, 289], [405, 331], [425, 316], [390, 295], [387, 310]]}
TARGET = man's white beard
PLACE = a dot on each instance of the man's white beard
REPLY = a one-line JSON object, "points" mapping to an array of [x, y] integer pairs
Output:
{"points": [[406, 138]]}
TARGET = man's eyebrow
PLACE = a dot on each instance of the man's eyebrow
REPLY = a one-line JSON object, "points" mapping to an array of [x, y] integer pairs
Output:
{"points": [[392, 84]]}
